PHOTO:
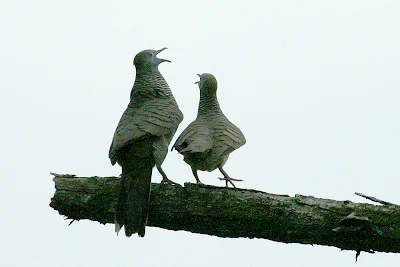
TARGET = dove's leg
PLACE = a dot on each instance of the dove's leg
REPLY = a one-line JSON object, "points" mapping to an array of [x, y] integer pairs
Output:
{"points": [[227, 178], [160, 150], [165, 179], [194, 171]]}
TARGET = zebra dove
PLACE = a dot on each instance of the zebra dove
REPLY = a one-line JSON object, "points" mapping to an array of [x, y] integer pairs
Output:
{"points": [[207, 142], [141, 141]]}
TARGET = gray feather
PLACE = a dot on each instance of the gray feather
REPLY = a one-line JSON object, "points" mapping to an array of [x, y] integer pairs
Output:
{"points": [[207, 142], [141, 140]]}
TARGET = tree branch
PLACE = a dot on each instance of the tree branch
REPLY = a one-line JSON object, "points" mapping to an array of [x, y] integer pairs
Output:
{"points": [[228, 212]]}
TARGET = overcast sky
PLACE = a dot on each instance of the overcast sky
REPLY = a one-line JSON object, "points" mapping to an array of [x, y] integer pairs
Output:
{"points": [[313, 85]]}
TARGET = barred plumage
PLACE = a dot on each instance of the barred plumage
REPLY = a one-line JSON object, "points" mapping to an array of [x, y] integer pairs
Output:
{"points": [[207, 142], [141, 140]]}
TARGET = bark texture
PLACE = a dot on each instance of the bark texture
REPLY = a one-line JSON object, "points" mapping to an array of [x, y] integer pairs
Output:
{"points": [[228, 212]]}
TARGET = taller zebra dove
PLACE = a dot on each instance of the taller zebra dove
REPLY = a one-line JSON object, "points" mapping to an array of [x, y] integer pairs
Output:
{"points": [[207, 142], [141, 141]]}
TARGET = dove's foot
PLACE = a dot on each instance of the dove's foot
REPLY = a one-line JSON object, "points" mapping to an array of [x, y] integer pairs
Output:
{"points": [[227, 178], [165, 181], [198, 182], [230, 180]]}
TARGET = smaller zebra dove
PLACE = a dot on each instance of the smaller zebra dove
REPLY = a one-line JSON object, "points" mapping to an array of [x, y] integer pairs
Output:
{"points": [[207, 142]]}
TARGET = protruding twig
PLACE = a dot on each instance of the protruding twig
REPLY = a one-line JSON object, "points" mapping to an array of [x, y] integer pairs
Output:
{"points": [[374, 199], [357, 254], [63, 175]]}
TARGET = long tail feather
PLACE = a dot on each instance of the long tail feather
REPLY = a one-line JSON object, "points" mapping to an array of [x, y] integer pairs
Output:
{"points": [[133, 201]]}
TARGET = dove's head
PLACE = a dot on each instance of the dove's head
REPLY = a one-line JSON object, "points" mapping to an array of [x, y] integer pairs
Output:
{"points": [[207, 84], [148, 59]]}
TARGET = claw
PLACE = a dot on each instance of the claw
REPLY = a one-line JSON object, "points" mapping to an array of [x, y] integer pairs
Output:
{"points": [[198, 182], [230, 180], [165, 181], [227, 178]]}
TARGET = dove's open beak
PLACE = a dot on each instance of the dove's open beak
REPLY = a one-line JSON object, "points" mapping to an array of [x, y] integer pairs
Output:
{"points": [[198, 81], [161, 59]]}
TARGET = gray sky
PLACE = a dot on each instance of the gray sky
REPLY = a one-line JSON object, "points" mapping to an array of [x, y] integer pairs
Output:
{"points": [[313, 85]]}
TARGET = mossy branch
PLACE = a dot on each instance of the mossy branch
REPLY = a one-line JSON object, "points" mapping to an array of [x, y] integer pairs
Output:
{"points": [[228, 212]]}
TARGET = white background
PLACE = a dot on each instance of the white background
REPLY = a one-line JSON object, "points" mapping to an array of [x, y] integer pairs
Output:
{"points": [[314, 86]]}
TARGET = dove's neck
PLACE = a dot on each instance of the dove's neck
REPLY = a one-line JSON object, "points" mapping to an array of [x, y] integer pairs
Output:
{"points": [[151, 78], [208, 105]]}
